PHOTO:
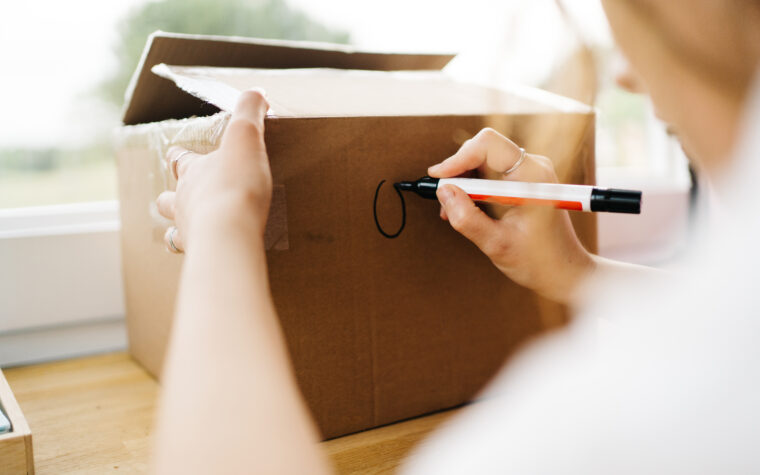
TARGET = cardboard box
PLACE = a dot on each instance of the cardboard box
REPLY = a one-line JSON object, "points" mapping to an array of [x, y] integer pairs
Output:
{"points": [[379, 330], [16, 456]]}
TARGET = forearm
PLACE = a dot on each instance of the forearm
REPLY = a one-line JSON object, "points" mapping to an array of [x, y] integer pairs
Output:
{"points": [[570, 280], [608, 268], [602, 270], [230, 402]]}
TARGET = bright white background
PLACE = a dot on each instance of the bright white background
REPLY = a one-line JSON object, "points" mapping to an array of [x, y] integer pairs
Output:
{"points": [[54, 53]]}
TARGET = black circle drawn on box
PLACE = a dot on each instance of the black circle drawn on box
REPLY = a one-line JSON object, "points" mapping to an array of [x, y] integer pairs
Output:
{"points": [[403, 212]]}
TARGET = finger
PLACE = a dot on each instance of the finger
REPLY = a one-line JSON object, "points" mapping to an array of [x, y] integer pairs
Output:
{"points": [[252, 105], [246, 128], [534, 169], [165, 203], [465, 217], [442, 214], [173, 240], [488, 148], [179, 158]]}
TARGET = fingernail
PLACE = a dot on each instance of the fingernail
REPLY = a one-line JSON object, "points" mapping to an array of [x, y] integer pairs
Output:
{"points": [[260, 91], [444, 195]]}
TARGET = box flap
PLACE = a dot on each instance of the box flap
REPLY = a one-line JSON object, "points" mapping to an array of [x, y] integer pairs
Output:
{"points": [[323, 92], [150, 98]]}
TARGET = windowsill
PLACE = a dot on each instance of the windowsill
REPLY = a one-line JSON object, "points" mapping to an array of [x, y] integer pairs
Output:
{"points": [[98, 216], [61, 281]]}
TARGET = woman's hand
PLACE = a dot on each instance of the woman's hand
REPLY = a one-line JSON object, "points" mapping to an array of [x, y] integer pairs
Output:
{"points": [[535, 246], [230, 186]]}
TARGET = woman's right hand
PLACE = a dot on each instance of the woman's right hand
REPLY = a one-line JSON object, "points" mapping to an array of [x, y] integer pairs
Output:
{"points": [[534, 246]]}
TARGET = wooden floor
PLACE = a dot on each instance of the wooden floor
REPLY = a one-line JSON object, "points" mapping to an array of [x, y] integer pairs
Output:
{"points": [[94, 415]]}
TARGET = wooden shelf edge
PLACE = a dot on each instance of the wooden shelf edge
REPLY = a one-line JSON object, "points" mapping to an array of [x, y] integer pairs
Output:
{"points": [[16, 453]]}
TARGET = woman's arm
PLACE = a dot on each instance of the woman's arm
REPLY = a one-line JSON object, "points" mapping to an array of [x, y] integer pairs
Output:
{"points": [[230, 403]]}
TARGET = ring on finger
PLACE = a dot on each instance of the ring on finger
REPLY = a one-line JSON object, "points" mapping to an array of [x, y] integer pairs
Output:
{"points": [[170, 240], [518, 163], [173, 162]]}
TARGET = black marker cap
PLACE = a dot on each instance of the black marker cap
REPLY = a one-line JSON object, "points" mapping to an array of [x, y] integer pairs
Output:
{"points": [[616, 201]]}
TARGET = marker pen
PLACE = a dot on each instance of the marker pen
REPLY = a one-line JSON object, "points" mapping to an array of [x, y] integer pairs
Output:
{"points": [[570, 197]]}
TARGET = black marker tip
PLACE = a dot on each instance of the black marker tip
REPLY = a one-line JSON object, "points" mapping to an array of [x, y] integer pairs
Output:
{"points": [[425, 186], [404, 185]]}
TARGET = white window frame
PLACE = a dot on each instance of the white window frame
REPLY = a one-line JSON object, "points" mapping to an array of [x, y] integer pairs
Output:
{"points": [[61, 292]]}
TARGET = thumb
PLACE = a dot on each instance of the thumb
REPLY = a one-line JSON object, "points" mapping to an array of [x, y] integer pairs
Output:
{"points": [[246, 127], [465, 217], [252, 106]]}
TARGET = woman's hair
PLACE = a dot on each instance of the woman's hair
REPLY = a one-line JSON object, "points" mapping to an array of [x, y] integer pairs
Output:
{"points": [[719, 39]]}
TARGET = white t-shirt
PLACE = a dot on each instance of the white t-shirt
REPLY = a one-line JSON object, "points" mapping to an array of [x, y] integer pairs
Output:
{"points": [[656, 376]]}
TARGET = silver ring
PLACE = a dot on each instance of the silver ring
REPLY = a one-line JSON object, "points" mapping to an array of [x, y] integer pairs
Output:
{"points": [[172, 246], [518, 163], [173, 162]]}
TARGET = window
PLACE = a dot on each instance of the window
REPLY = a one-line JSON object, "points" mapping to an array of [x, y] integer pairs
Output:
{"points": [[65, 83], [67, 65]]}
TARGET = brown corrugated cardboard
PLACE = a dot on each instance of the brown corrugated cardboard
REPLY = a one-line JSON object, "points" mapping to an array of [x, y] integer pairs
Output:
{"points": [[378, 330], [150, 99]]}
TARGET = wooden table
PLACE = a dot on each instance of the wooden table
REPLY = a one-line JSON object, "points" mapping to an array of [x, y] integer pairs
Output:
{"points": [[94, 415]]}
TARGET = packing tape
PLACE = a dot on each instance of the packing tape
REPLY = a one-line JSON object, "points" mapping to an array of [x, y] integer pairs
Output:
{"points": [[276, 232]]}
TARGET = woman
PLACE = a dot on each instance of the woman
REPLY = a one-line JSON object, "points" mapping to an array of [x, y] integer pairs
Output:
{"points": [[656, 374]]}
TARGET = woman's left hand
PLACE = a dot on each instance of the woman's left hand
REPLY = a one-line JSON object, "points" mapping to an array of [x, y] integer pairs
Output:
{"points": [[230, 186]]}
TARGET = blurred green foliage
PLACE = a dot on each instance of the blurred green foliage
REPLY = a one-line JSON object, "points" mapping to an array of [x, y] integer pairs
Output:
{"points": [[50, 158], [620, 107], [273, 19], [58, 175]]}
